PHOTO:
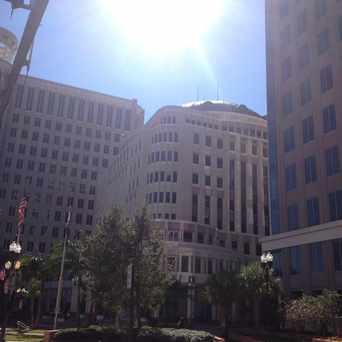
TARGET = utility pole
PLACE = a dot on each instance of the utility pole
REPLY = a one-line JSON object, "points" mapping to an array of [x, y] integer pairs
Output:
{"points": [[37, 9]]}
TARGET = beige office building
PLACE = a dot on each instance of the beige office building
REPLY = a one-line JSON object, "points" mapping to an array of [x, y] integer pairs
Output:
{"points": [[56, 142], [201, 170], [304, 73]]}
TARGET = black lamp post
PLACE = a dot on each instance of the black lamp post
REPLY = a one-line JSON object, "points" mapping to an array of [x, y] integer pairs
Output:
{"points": [[266, 264], [8, 268], [191, 287]]}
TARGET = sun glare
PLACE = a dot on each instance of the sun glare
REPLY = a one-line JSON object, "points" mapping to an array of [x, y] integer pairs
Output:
{"points": [[162, 26]]}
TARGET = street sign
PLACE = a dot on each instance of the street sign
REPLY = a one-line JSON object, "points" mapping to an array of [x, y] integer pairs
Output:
{"points": [[129, 276]]}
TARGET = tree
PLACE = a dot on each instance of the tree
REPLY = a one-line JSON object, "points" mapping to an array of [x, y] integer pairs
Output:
{"points": [[321, 309], [149, 282], [224, 290], [259, 287], [105, 261], [115, 244]]}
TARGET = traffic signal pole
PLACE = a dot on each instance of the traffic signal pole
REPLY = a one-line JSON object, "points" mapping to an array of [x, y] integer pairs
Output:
{"points": [[37, 10]]}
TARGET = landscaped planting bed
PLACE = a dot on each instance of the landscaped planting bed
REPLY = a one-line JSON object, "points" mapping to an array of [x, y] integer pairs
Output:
{"points": [[146, 334]]}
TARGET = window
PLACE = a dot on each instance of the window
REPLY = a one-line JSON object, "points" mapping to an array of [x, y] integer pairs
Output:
{"points": [[219, 182], [329, 118], [287, 104], [243, 146], [286, 69], [196, 139], [207, 180], [312, 206], [195, 178], [29, 99], [207, 209], [305, 92], [61, 104], [207, 160], [219, 213], [321, 8], [337, 248], [332, 161], [310, 169], [285, 35], [289, 139], [283, 9], [219, 143], [301, 22], [208, 140], [197, 265], [339, 24], [174, 197], [78, 218], [303, 56], [291, 177], [308, 129], [51, 103], [127, 123], [326, 77], [219, 162], [323, 42], [40, 102], [246, 248], [194, 207], [19, 96], [316, 257], [295, 260], [89, 220], [292, 217], [335, 205], [184, 263], [195, 158]]}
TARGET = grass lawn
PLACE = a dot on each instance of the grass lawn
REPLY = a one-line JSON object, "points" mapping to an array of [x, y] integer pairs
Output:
{"points": [[14, 335]]}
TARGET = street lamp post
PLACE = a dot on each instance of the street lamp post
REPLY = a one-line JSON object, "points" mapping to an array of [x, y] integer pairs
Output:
{"points": [[266, 263], [191, 286], [11, 265]]}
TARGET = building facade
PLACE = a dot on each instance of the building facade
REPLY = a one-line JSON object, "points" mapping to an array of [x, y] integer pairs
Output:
{"points": [[56, 141], [304, 85], [201, 170]]}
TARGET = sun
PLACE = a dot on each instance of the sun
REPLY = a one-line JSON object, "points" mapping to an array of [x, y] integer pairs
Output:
{"points": [[160, 27]]}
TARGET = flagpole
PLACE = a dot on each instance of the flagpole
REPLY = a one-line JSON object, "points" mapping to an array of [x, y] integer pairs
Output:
{"points": [[60, 280]]}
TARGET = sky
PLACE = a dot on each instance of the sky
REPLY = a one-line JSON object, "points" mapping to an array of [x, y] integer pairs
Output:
{"points": [[88, 44]]}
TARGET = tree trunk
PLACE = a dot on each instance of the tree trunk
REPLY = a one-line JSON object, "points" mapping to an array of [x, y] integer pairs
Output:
{"points": [[39, 310], [256, 312], [32, 300], [78, 311], [226, 326]]}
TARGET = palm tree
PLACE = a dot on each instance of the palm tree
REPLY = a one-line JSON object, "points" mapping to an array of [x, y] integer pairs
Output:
{"points": [[224, 289]]}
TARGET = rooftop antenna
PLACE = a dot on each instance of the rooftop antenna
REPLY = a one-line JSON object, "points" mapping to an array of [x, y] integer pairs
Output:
{"points": [[197, 93]]}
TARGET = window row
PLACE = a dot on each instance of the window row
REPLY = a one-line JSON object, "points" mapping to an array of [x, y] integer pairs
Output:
{"points": [[326, 81], [332, 167], [161, 197], [68, 128], [207, 180], [308, 128], [232, 128], [162, 156], [71, 107], [164, 137], [51, 185], [52, 168], [162, 176]]}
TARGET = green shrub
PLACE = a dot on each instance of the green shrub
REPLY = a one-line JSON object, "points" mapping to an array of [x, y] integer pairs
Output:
{"points": [[146, 334], [91, 334]]}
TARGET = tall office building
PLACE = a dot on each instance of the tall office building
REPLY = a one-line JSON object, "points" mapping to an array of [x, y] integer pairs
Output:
{"points": [[304, 76], [56, 141], [201, 170]]}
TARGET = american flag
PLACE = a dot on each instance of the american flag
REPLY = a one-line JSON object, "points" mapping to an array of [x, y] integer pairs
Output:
{"points": [[21, 210]]}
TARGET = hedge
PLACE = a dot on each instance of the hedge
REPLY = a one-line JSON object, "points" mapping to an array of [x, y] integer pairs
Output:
{"points": [[146, 334]]}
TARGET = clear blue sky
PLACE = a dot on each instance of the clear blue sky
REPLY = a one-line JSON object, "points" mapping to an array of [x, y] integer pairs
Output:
{"points": [[76, 45]]}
